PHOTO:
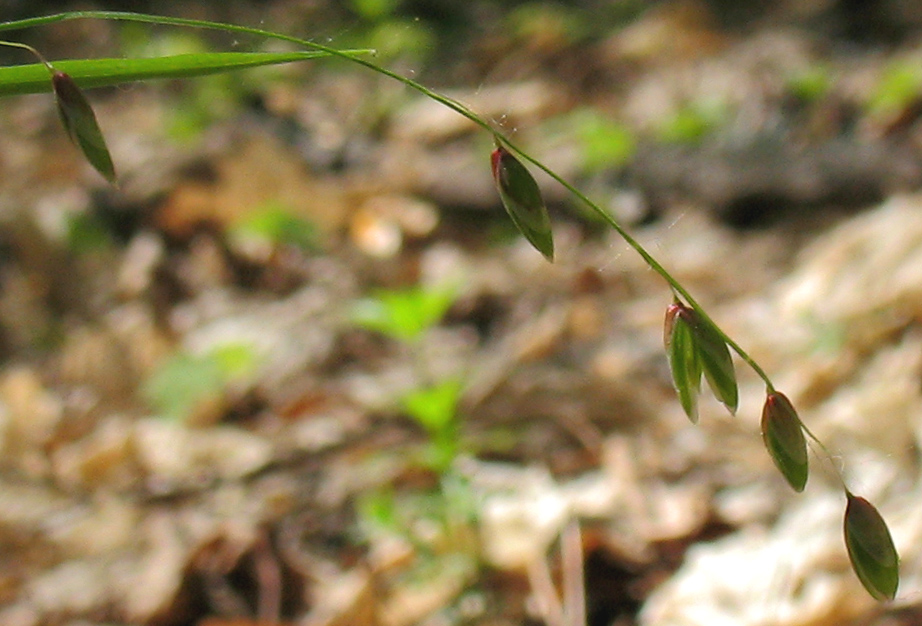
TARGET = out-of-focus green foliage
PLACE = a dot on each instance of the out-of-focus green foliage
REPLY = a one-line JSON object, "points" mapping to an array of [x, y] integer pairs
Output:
{"points": [[693, 122], [812, 83], [86, 233], [548, 24], [275, 225], [184, 380], [435, 408], [604, 142], [899, 86], [404, 314], [374, 9]]}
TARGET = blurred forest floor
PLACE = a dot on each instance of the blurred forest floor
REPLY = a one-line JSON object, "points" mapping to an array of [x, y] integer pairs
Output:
{"points": [[298, 367]]}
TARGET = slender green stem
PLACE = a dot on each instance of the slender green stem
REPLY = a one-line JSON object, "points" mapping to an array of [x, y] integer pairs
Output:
{"points": [[655, 265], [830, 459], [36, 53], [245, 30], [451, 103]]}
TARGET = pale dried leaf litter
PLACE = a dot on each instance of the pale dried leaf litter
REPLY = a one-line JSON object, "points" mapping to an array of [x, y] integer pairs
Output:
{"points": [[852, 304], [629, 495]]}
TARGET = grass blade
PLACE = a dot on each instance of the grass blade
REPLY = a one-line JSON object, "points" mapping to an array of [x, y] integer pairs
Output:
{"points": [[33, 78]]}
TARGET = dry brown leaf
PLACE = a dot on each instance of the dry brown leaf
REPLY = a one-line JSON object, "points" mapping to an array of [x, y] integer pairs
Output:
{"points": [[254, 172]]}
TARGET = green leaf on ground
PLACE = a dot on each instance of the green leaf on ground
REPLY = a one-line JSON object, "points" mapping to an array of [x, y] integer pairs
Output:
{"points": [[404, 314], [434, 407]]}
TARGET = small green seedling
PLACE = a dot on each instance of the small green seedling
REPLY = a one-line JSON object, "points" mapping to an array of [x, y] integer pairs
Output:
{"points": [[439, 524], [86, 233], [898, 87], [605, 143], [810, 84], [273, 226], [435, 408], [185, 380], [405, 314], [692, 122]]}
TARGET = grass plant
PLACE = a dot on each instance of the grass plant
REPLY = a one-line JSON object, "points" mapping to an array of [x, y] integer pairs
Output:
{"points": [[697, 347]]}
